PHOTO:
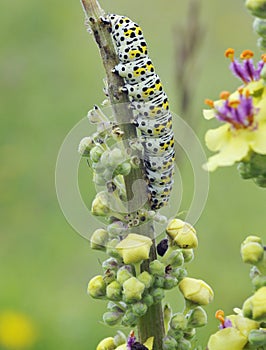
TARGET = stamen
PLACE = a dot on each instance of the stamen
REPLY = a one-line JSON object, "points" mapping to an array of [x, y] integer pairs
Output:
{"points": [[246, 54], [224, 95], [209, 102], [233, 103], [219, 314], [263, 57], [240, 90], [229, 53]]}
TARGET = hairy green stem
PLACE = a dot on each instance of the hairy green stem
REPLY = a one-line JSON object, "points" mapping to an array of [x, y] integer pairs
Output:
{"points": [[151, 324]]}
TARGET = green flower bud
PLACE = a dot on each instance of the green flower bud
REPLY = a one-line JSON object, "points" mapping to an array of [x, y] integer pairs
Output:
{"points": [[111, 248], [97, 287], [257, 337], [227, 338], [257, 7], [109, 276], [188, 255], [132, 290], [157, 294], [115, 307], [197, 317], [179, 273], [259, 26], [106, 344], [146, 279], [124, 273], [129, 319], [173, 258], [259, 281], [190, 334], [178, 321], [123, 169], [116, 229], [114, 291], [167, 315], [261, 180], [98, 179], [169, 343], [196, 291], [139, 309], [158, 281], [85, 146], [170, 282], [120, 338], [157, 268], [96, 153], [134, 248], [184, 344], [244, 170], [148, 300], [99, 239], [99, 205], [110, 263], [177, 334], [116, 157], [252, 251], [111, 318]]}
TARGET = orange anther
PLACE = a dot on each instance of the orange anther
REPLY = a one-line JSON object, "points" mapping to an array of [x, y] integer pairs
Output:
{"points": [[246, 54], [229, 53], [209, 102], [224, 95], [234, 103], [219, 314], [132, 334], [263, 57]]}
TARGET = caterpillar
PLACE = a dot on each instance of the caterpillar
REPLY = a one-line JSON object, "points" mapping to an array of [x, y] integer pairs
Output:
{"points": [[149, 103]]}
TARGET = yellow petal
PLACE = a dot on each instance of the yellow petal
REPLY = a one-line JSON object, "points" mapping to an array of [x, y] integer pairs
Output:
{"points": [[227, 339], [149, 343], [258, 144], [208, 113], [216, 138]]}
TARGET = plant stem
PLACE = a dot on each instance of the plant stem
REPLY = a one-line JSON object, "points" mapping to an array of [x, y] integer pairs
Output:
{"points": [[151, 324]]}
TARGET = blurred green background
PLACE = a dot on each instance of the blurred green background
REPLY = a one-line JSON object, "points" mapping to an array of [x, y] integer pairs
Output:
{"points": [[51, 75]]}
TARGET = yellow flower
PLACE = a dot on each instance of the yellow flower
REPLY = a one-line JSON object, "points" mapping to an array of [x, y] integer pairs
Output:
{"points": [[106, 344], [244, 115], [196, 291], [16, 331], [134, 248], [227, 339]]}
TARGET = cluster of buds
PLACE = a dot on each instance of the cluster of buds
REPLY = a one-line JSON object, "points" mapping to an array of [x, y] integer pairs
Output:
{"points": [[131, 292], [258, 9], [247, 328]]}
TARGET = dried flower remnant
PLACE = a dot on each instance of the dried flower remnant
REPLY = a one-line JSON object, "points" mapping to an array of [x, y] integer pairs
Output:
{"points": [[243, 113]]}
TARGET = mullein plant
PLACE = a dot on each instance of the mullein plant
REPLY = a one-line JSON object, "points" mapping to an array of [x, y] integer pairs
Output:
{"points": [[241, 139], [137, 270]]}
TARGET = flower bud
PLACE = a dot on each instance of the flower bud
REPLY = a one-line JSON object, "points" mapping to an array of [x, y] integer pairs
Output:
{"points": [[170, 282], [124, 273], [179, 273], [173, 258], [99, 205], [120, 338], [186, 238], [257, 337], [174, 226], [190, 333], [99, 239], [196, 291], [252, 251], [85, 146], [169, 343], [129, 319], [123, 169], [157, 268], [178, 321], [134, 248], [97, 287], [139, 309], [157, 294], [111, 248], [148, 300], [227, 338], [116, 307], [197, 317], [110, 263], [96, 153], [146, 279], [188, 255], [158, 281], [261, 179], [116, 156], [116, 228], [109, 276], [106, 344], [259, 281], [114, 291], [259, 26], [257, 7], [98, 179], [257, 305], [132, 290], [111, 318]]}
